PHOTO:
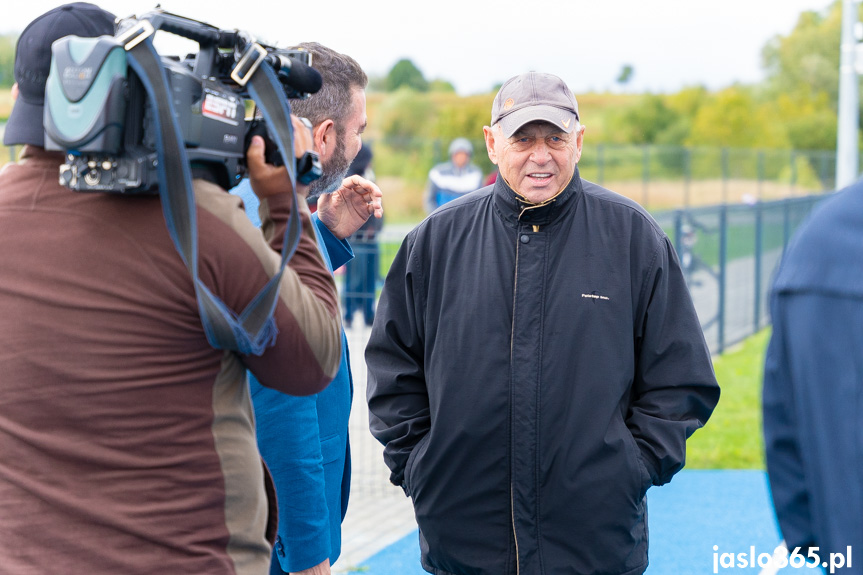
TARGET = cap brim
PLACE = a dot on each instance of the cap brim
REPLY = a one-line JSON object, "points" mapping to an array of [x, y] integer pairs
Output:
{"points": [[563, 119], [25, 125]]}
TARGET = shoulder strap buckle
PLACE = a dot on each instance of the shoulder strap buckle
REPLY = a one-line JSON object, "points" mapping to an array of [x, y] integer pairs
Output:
{"points": [[246, 67], [134, 35]]}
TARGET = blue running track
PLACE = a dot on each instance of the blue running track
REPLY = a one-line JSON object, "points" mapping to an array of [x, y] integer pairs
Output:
{"points": [[687, 517]]}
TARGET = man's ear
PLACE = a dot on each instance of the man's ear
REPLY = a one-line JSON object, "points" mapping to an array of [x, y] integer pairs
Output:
{"points": [[325, 136], [14, 91], [489, 143], [579, 141]]}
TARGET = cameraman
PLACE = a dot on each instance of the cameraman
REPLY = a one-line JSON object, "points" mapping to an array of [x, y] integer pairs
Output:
{"points": [[304, 440], [127, 443]]}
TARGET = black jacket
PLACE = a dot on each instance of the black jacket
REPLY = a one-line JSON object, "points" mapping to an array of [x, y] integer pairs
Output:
{"points": [[531, 373]]}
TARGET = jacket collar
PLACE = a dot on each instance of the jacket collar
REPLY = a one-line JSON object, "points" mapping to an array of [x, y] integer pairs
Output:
{"points": [[511, 206]]}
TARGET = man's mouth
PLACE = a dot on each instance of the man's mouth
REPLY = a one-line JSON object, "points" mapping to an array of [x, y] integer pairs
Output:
{"points": [[540, 177]]}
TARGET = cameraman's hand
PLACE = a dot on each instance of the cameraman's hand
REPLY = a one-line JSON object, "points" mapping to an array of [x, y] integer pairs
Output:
{"points": [[269, 180], [347, 209]]}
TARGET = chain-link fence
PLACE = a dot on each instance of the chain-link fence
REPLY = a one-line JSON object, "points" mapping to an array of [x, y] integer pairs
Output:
{"points": [[657, 177], [728, 254], [669, 177]]}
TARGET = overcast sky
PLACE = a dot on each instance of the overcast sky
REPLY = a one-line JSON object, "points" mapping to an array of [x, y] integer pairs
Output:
{"points": [[478, 43]]}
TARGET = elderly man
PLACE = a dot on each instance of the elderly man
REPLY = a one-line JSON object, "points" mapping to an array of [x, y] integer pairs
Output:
{"points": [[529, 389], [304, 440], [454, 178]]}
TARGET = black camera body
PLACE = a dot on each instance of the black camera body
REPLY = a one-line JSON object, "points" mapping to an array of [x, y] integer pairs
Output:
{"points": [[98, 112]]}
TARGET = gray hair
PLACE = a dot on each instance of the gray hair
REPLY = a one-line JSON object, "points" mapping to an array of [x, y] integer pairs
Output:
{"points": [[341, 75]]}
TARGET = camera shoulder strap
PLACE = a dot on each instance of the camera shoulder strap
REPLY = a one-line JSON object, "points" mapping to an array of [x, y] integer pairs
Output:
{"points": [[253, 330]]}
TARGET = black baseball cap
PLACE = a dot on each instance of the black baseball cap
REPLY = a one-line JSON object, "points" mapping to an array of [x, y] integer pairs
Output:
{"points": [[33, 62]]}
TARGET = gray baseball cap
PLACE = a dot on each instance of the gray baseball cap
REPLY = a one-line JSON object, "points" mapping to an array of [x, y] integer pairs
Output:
{"points": [[534, 97], [461, 145]]}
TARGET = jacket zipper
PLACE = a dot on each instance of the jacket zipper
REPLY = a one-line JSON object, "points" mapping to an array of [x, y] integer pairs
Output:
{"points": [[511, 345], [514, 536]]}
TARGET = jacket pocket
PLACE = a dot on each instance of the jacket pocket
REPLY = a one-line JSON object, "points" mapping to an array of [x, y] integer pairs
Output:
{"points": [[411, 463], [637, 460]]}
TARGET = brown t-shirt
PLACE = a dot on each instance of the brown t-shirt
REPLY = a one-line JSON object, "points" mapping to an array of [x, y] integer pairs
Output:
{"points": [[126, 442]]}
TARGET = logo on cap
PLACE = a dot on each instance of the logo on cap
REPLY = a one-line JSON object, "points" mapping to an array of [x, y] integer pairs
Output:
{"points": [[508, 104], [566, 123]]}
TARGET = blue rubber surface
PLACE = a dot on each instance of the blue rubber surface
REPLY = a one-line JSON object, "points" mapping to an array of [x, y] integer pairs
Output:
{"points": [[687, 518]]}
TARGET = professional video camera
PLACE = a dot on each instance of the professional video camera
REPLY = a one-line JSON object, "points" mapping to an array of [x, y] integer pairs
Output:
{"points": [[98, 112]]}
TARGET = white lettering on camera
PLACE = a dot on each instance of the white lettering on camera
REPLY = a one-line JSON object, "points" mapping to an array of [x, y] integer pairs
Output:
{"points": [[219, 108]]}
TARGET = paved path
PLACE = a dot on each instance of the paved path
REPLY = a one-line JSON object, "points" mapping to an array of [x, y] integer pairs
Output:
{"points": [[739, 298], [379, 513]]}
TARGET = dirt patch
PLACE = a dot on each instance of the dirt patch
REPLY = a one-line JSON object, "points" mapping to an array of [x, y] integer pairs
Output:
{"points": [[667, 195]]}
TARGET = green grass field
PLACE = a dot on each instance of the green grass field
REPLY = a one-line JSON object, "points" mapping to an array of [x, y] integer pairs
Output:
{"points": [[732, 438]]}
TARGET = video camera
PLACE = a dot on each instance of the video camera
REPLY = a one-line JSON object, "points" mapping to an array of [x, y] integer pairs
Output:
{"points": [[97, 111]]}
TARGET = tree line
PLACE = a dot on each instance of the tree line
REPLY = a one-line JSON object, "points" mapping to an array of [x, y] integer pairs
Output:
{"points": [[794, 107]]}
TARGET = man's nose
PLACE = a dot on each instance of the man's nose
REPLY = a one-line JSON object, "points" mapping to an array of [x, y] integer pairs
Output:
{"points": [[540, 153]]}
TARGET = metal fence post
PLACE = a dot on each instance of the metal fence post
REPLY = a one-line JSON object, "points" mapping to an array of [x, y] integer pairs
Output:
{"points": [[687, 175], [759, 226], [724, 176], [723, 256], [825, 157]]}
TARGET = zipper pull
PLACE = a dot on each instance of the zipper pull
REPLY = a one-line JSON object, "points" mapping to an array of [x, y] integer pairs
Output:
{"points": [[535, 228]]}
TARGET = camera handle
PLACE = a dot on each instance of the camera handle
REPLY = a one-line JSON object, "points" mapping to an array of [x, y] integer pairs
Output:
{"points": [[254, 329]]}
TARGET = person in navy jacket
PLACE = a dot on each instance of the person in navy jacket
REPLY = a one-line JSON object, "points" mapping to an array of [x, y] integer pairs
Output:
{"points": [[813, 386]]}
